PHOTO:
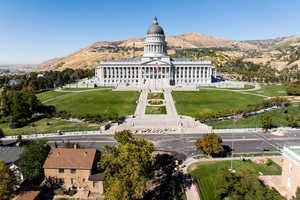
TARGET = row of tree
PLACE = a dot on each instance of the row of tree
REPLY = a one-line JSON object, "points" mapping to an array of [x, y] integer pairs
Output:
{"points": [[35, 82]]}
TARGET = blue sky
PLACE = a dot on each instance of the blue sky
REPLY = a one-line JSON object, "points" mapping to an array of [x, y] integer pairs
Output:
{"points": [[32, 31]]}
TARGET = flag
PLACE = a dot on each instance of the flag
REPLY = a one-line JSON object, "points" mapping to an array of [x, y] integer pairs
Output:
{"points": [[157, 66]]}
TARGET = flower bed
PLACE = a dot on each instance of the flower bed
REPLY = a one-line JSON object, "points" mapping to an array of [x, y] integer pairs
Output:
{"points": [[155, 102]]}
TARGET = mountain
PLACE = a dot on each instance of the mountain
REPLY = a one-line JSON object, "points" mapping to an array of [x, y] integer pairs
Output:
{"points": [[278, 52]]}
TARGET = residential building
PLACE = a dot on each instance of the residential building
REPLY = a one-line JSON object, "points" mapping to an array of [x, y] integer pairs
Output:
{"points": [[74, 168]]}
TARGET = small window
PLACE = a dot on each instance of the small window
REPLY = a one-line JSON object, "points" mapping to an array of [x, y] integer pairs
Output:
{"points": [[95, 184], [61, 181], [73, 181], [83, 180], [61, 170], [73, 171]]}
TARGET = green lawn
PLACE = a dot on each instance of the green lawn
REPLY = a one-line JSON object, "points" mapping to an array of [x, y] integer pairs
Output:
{"points": [[49, 126], [278, 119], [83, 89], [92, 102], [271, 90], [191, 103], [155, 95], [44, 96], [205, 174], [244, 88], [156, 110]]}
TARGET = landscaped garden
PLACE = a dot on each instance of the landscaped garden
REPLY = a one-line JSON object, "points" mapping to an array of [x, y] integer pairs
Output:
{"points": [[155, 102], [92, 102], [155, 95], [194, 103], [156, 110], [206, 173], [279, 119]]}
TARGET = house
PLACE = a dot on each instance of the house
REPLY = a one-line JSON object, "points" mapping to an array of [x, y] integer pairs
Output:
{"points": [[10, 153], [74, 168], [288, 182], [291, 170]]}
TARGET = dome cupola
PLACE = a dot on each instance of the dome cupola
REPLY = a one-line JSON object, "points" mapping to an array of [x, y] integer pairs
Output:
{"points": [[155, 28], [155, 44]]}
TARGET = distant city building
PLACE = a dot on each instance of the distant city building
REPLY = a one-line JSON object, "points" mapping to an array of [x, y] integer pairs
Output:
{"points": [[155, 68], [74, 168]]}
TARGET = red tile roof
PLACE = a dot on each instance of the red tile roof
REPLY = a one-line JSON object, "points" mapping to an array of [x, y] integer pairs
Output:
{"points": [[70, 158]]}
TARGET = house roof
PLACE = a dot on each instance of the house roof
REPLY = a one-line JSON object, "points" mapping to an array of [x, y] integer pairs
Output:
{"points": [[28, 195], [70, 158], [10, 154]]}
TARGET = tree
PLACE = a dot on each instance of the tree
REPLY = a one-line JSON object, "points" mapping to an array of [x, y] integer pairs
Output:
{"points": [[1, 134], [7, 181], [32, 160], [127, 166], [297, 197], [243, 185], [266, 121], [210, 144]]}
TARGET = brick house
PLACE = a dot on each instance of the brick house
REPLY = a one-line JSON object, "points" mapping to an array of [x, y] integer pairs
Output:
{"points": [[74, 168]]}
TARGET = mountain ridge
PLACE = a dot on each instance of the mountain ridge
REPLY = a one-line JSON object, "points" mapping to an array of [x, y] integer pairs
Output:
{"points": [[250, 50]]}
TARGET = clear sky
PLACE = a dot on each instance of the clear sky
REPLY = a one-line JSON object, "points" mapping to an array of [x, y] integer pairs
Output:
{"points": [[32, 31]]}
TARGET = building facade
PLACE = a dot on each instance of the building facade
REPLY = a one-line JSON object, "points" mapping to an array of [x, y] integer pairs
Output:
{"points": [[74, 168], [291, 170], [155, 67]]}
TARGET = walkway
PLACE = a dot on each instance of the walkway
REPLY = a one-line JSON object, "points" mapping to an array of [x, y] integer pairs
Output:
{"points": [[243, 91]]}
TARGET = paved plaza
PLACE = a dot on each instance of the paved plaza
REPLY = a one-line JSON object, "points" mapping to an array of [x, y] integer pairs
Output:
{"points": [[170, 122]]}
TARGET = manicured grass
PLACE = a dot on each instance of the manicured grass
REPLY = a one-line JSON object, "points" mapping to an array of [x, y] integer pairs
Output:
{"points": [[84, 89], [205, 174], [278, 119], [156, 110], [94, 102], [191, 103], [244, 88], [271, 90], [155, 95], [49, 126], [44, 96]]}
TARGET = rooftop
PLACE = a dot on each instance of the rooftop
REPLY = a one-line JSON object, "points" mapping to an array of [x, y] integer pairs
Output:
{"points": [[70, 158], [292, 152], [28, 195], [10, 154]]}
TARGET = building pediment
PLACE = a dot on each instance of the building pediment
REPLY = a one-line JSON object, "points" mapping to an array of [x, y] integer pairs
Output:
{"points": [[156, 62]]}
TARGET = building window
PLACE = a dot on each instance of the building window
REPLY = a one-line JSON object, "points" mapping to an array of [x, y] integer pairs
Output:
{"points": [[83, 180], [73, 181], [290, 167], [95, 184], [61, 170], [73, 171], [61, 181]]}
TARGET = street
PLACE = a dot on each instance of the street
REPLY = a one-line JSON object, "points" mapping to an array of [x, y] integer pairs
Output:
{"points": [[247, 142]]}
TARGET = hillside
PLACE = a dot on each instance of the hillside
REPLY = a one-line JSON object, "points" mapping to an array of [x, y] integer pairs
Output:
{"points": [[278, 52]]}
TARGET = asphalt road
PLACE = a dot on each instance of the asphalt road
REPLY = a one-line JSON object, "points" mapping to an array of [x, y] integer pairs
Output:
{"points": [[184, 143]]}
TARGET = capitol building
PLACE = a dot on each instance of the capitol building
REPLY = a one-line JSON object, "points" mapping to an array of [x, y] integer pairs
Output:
{"points": [[156, 69]]}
